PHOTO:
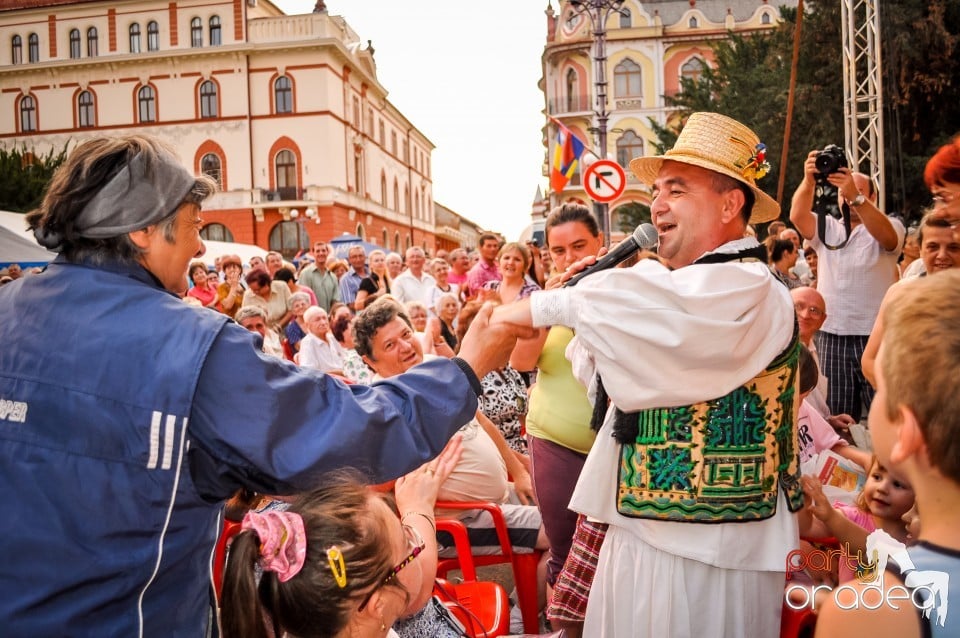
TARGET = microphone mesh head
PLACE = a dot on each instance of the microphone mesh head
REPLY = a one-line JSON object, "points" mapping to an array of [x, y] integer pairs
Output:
{"points": [[646, 236]]}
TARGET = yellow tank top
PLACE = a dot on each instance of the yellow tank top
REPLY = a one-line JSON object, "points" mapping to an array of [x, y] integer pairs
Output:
{"points": [[559, 409]]}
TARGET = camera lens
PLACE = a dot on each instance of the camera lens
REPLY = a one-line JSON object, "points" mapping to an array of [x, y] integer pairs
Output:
{"points": [[830, 160]]}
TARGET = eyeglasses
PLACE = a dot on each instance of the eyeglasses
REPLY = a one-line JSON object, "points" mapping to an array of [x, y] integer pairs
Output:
{"points": [[944, 197], [415, 541], [813, 311]]}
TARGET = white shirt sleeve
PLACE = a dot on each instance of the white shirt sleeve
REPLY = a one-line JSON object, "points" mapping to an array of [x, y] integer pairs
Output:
{"points": [[660, 338]]}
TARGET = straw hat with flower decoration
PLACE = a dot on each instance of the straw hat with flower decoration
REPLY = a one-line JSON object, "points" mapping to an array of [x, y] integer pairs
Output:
{"points": [[723, 145]]}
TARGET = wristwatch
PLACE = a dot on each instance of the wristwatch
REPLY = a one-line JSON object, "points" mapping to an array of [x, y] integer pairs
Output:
{"points": [[857, 201]]}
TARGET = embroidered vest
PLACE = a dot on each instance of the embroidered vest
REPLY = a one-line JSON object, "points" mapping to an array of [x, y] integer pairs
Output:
{"points": [[717, 461]]}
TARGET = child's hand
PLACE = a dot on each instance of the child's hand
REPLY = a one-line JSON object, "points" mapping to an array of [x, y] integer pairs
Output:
{"points": [[814, 498]]}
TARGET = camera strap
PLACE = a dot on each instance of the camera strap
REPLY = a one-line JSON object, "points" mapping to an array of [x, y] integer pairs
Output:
{"points": [[822, 228]]}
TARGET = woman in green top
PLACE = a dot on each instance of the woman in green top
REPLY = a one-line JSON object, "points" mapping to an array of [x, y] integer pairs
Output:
{"points": [[558, 422]]}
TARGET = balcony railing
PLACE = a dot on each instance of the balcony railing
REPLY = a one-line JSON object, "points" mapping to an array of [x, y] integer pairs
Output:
{"points": [[569, 104], [290, 193]]}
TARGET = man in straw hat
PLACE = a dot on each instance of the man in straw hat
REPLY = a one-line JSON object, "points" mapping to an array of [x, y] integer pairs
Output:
{"points": [[695, 467], [127, 417]]}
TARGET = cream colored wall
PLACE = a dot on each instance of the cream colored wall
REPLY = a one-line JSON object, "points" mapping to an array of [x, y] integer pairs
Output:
{"points": [[247, 131]]}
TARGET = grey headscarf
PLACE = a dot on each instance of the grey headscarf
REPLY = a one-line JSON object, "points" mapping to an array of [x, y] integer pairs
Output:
{"points": [[136, 197]]}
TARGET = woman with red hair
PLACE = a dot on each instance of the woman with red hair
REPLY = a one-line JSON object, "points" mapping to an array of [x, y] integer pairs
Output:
{"points": [[942, 175]]}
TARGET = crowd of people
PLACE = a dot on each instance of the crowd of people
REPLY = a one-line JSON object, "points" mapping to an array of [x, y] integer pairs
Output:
{"points": [[653, 431]]}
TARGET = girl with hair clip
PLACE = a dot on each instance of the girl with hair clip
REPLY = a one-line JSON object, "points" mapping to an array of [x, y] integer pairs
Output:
{"points": [[341, 561]]}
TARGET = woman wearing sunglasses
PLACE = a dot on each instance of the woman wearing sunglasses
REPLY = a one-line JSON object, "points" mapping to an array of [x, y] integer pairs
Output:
{"points": [[339, 562]]}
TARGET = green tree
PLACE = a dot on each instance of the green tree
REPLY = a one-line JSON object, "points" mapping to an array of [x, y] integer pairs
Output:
{"points": [[24, 177], [921, 95], [631, 215]]}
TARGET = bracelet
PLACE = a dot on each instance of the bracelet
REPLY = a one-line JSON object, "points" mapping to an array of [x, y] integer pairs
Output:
{"points": [[429, 518]]}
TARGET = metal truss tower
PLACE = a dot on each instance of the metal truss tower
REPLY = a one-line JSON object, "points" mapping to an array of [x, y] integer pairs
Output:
{"points": [[862, 89]]}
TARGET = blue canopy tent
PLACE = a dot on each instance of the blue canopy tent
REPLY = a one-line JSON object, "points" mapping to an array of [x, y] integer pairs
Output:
{"points": [[341, 245]]}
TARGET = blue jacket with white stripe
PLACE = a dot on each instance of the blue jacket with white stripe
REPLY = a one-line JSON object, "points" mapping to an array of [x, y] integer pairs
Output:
{"points": [[126, 417]]}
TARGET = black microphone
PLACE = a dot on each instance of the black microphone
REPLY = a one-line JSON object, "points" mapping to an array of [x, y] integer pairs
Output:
{"points": [[645, 236]]}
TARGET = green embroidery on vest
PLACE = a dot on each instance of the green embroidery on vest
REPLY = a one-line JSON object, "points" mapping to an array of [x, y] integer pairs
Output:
{"points": [[721, 460]]}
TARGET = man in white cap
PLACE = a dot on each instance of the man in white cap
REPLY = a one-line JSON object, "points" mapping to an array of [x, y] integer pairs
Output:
{"points": [[129, 417], [695, 466]]}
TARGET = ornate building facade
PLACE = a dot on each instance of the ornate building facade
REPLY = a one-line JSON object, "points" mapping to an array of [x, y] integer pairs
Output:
{"points": [[284, 111], [649, 47]]}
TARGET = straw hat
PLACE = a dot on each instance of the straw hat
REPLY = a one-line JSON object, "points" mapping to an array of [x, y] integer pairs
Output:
{"points": [[723, 145]]}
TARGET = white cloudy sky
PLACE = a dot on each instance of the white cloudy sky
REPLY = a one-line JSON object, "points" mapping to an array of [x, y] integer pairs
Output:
{"points": [[465, 74]]}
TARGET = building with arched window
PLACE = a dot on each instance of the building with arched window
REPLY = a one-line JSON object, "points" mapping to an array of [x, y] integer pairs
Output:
{"points": [[273, 97], [650, 46]]}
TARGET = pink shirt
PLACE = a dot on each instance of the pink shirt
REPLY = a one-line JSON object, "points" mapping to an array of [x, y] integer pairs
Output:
{"points": [[814, 434], [479, 275], [204, 295], [864, 520]]}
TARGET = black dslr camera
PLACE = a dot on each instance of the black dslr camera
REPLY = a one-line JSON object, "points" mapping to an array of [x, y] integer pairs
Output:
{"points": [[828, 161], [831, 159], [825, 202]]}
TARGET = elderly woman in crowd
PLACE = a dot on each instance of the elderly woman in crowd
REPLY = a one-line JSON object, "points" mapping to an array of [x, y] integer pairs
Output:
{"points": [[394, 265], [447, 308], [297, 328], [230, 292], [270, 296], [204, 287], [427, 329], [440, 270]]}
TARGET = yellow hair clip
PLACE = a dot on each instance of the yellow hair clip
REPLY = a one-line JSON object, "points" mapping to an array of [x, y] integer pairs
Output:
{"points": [[337, 566]]}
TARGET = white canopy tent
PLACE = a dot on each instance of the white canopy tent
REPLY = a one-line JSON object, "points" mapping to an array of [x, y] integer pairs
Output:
{"points": [[15, 223]]}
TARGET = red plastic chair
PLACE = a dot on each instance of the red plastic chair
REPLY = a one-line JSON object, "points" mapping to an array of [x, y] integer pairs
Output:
{"points": [[482, 607], [524, 565], [801, 623], [230, 529]]}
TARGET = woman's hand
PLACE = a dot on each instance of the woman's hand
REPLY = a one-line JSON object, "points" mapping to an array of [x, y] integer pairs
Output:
{"points": [[433, 329], [417, 491], [523, 487]]}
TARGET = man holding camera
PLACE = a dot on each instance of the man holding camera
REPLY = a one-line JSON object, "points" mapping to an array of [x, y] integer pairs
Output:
{"points": [[853, 275]]}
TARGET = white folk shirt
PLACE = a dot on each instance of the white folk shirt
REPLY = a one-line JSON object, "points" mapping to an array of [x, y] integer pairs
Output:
{"points": [[854, 279], [662, 338]]}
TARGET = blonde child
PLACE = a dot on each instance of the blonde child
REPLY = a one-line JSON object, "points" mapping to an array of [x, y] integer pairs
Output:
{"points": [[915, 425], [882, 504]]}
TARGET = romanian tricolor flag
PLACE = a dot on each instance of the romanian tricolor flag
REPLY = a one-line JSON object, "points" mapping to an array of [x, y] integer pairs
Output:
{"points": [[566, 155]]}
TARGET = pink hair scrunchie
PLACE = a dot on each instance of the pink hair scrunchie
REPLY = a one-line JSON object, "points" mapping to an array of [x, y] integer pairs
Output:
{"points": [[283, 541]]}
